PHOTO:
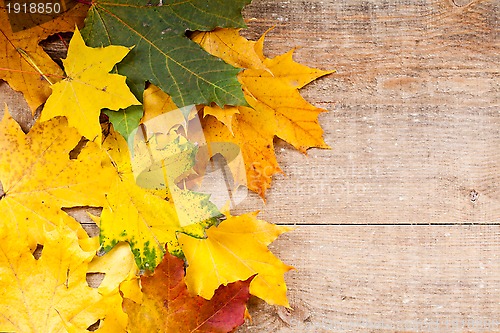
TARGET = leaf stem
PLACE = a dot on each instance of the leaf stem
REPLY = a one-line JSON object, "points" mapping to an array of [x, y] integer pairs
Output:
{"points": [[33, 64], [63, 41], [28, 72], [146, 141]]}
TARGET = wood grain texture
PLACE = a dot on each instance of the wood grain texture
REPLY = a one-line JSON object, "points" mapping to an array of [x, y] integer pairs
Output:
{"points": [[17, 106], [387, 279], [414, 119], [414, 126]]}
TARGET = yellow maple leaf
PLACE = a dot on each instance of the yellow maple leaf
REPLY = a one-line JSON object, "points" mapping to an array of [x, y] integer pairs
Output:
{"points": [[39, 177], [51, 294], [121, 277], [157, 153], [148, 218], [89, 87], [237, 50], [161, 114], [297, 119], [23, 61], [120, 260], [271, 88], [224, 115], [235, 250], [133, 214], [156, 103]]}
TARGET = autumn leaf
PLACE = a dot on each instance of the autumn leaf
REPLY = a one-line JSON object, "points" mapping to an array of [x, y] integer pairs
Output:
{"points": [[120, 260], [142, 216], [235, 250], [254, 131], [271, 89], [121, 277], [39, 177], [156, 153], [49, 294], [163, 55], [168, 307], [133, 214], [163, 121], [297, 119], [162, 115], [125, 121], [151, 218], [155, 103], [224, 115], [88, 87], [23, 61], [236, 50], [125, 278]]}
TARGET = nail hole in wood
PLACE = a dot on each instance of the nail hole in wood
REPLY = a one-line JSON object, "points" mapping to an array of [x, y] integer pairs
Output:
{"points": [[461, 3], [474, 196]]}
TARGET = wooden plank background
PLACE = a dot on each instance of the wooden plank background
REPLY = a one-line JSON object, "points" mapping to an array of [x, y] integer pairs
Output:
{"points": [[399, 223]]}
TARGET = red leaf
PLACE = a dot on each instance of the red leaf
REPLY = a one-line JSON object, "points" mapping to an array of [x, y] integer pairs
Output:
{"points": [[167, 305]]}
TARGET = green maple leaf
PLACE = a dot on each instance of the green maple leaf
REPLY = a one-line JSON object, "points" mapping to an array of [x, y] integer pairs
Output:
{"points": [[162, 53], [125, 121]]}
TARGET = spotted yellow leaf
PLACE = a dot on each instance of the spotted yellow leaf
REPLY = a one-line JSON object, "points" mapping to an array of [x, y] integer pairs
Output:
{"points": [[141, 209], [39, 177]]}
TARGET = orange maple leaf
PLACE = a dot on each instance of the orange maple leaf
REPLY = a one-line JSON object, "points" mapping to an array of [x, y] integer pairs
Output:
{"points": [[277, 108]]}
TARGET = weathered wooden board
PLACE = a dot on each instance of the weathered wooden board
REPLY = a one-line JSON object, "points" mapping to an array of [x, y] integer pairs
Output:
{"points": [[398, 278], [388, 278], [414, 119], [414, 126]]}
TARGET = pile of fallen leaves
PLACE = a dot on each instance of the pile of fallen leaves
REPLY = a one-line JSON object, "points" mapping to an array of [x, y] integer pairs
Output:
{"points": [[148, 94]]}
